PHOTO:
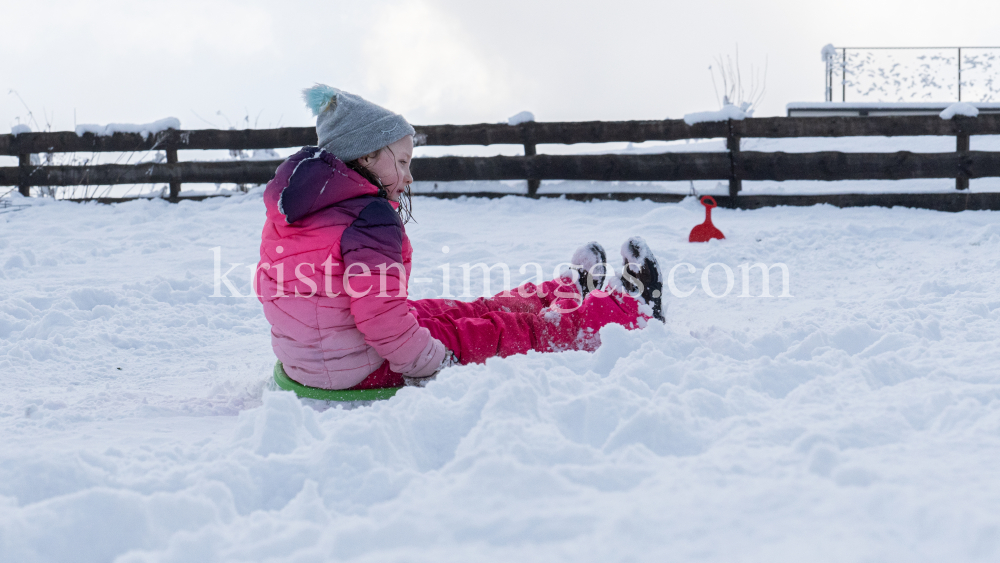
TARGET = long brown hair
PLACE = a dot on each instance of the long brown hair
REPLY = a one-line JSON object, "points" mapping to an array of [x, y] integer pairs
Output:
{"points": [[405, 197]]}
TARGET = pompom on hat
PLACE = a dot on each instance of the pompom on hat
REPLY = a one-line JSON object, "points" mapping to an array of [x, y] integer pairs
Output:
{"points": [[348, 126]]}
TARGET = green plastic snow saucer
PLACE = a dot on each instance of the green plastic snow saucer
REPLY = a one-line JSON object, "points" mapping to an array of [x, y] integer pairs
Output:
{"points": [[282, 380]]}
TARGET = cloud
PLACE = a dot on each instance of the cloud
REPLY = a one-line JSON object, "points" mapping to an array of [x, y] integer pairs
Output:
{"points": [[127, 29], [422, 62], [435, 61]]}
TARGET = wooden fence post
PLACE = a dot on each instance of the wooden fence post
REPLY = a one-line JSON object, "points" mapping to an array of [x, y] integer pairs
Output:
{"points": [[962, 181], [529, 150], [175, 187], [24, 163], [733, 145]]}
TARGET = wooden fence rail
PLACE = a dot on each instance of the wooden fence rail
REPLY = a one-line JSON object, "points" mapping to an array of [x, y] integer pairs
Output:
{"points": [[733, 165], [778, 166]]}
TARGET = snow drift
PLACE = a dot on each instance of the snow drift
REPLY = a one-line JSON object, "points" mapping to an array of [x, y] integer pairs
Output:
{"points": [[858, 419]]}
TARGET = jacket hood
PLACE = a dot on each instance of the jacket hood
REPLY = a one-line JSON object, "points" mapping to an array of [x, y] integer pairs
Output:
{"points": [[310, 180]]}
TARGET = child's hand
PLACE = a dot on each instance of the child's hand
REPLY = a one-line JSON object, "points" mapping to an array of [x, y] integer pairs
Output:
{"points": [[449, 360]]}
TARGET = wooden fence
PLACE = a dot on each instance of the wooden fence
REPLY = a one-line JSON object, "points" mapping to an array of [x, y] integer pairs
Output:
{"points": [[733, 165]]}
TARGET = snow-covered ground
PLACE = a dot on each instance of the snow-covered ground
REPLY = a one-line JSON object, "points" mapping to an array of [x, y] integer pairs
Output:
{"points": [[856, 420]]}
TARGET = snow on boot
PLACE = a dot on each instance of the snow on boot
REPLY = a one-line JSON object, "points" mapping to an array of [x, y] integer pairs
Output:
{"points": [[589, 262], [641, 276]]}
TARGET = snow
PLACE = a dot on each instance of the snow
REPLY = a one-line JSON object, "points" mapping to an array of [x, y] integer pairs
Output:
{"points": [[585, 257], [960, 108], [829, 53], [858, 419], [523, 117], [264, 154], [145, 129], [19, 128], [728, 111]]}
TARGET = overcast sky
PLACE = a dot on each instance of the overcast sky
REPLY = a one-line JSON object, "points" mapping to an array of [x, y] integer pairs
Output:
{"points": [[212, 63]]}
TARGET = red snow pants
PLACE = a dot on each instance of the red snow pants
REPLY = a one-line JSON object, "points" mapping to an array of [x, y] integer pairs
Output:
{"points": [[545, 318]]}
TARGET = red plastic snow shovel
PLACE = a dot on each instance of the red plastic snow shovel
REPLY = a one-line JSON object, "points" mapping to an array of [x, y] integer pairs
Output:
{"points": [[706, 231]]}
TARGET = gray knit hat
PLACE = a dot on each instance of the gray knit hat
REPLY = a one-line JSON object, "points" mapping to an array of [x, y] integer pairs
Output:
{"points": [[348, 126]]}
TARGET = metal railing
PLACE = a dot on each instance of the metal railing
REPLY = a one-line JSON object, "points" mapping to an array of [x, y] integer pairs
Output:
{"points": [[842, 65]]}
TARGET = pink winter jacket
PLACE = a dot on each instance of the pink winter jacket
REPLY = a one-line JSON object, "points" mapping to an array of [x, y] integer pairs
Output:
{"points": [[325, 220]]}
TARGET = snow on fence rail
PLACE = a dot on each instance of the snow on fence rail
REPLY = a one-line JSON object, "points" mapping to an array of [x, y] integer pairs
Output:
{"points": [[733, 165]]}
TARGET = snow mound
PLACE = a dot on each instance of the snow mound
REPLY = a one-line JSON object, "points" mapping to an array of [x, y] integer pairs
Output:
{"points": [[728, 111], [829, 53], [960, 108], [523, 117], [19, 128], [144, 129]]}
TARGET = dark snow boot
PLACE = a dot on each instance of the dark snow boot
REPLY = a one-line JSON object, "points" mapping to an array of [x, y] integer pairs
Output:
{"points": [[589, 262], [641, 276]]}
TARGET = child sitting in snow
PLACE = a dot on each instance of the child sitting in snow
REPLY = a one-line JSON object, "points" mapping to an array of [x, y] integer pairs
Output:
{"points": [[335, 261]]}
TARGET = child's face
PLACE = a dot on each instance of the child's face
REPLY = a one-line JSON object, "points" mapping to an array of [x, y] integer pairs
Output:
{"points": [[392, 166]]}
